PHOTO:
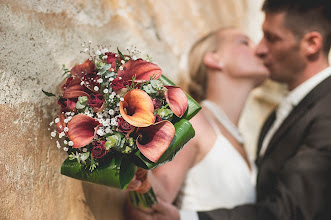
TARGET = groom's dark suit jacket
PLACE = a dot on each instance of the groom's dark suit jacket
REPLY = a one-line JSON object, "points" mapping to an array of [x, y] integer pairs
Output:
{"points": [[294, 180]]}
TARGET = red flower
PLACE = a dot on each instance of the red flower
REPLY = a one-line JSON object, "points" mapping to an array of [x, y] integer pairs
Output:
{"points": [[111, 59], [74, 89], [67, 105], [157, 103], [118, 84], [99, 150], [154, 140], [123, 126], [95, 100], [83, 69], [64, 86], [61, 125], [177, 100], [157, 119], [91, 80], [82, 129], [141, 69]]}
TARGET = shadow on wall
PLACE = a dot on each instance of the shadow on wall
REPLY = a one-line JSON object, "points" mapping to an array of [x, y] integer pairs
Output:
{"points": [[99, 197]]}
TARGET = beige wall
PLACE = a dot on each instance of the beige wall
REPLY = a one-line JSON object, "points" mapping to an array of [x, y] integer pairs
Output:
{"points": [[37, 37]]}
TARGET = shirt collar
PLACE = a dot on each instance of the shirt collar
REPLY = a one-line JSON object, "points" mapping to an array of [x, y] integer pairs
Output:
{"points": [[297, 94]]}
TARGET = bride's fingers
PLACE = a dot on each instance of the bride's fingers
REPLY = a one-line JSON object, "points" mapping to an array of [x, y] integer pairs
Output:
{"points": [[133, 185]]}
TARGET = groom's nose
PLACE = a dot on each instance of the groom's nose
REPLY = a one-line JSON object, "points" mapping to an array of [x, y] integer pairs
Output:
{"points": [[261, 49]]}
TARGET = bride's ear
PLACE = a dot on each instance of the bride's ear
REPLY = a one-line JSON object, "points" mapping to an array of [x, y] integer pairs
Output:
{"points": [[212, 60]]}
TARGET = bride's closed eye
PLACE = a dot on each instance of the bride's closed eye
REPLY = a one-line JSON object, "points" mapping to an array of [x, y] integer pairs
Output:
{"points": [[244, 41]]}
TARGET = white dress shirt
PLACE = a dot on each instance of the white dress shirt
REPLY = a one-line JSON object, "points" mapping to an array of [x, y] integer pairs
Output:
{"points": [[285, 107], [290, 101]]}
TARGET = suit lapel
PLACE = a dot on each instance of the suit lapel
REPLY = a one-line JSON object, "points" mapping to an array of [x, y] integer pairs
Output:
{"points": [[318, 92]]}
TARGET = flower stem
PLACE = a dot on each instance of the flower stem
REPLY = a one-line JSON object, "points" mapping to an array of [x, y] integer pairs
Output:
{"points": [[145, 200]]}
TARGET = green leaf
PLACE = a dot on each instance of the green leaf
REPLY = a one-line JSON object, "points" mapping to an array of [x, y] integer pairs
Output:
{"points": [[80, 105], [127, 171], [48, 93], [117, 173], [193, 107], [106, 174], [120, 53], [65, 71], [184, 132], [105, 68]]}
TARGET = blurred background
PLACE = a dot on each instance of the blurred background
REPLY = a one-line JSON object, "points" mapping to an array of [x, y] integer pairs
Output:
{"points": [[38, 36]]}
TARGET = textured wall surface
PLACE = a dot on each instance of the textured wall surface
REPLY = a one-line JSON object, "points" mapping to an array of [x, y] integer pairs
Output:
{"points": [[37, 37]]}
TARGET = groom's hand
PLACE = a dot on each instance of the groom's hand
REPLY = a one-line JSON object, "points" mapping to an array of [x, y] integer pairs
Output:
{"points": [[165, 211], [159, 211]]}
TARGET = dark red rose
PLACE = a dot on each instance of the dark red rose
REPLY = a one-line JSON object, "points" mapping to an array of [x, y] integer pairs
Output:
{"points": [[95, 100], [123, 126], [111, 59], [157, 119], [67, 105], [118, 84], [99, 150], [91, 80], [157, 103]]}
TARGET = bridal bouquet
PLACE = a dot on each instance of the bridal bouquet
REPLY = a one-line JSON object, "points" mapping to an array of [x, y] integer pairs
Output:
{"points": [[119, 116]]}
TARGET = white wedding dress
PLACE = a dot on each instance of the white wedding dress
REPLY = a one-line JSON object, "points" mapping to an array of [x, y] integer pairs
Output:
{"points": [[221, 179]]}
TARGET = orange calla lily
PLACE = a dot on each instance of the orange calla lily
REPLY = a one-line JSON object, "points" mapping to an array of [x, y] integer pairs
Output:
{"points": [[137, 108], [177, 100], [154, 140], [82, 129], [142, 69], [82, 69]]}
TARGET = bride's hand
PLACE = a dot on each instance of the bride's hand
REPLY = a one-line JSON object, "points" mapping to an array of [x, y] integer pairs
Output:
{"points": [[140, 182], [134, 185]]}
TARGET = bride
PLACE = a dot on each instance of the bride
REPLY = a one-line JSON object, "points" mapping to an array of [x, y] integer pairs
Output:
{"points": [[213, 170]]}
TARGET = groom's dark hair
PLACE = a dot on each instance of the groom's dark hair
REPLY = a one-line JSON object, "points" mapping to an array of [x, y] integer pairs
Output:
{"points": [[302, 16]]}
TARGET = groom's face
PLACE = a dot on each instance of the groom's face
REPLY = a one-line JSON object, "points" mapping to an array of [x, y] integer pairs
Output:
{"points": [[280, 49]]}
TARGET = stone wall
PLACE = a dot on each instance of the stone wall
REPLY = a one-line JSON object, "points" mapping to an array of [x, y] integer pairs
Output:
{"points": [[38, 36]]}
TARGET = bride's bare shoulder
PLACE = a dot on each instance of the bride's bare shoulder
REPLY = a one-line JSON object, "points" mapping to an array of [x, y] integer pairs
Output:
{"points": [[199, 121]]}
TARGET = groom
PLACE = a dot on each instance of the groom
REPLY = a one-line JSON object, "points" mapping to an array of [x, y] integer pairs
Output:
{"points": [[294, 150]]}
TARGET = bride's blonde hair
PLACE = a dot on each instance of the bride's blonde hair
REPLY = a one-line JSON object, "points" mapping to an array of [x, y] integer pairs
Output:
{"points": [[197, 70]]}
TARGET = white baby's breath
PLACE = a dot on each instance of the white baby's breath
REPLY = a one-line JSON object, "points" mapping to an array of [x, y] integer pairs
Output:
{"points": [[58, 144]]}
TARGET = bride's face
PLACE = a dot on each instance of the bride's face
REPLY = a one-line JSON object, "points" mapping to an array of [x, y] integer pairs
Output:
{"points": [[238, 58]]}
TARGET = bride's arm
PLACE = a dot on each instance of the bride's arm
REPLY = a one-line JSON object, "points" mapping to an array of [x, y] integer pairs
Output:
{"points": [[168, 178]]}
